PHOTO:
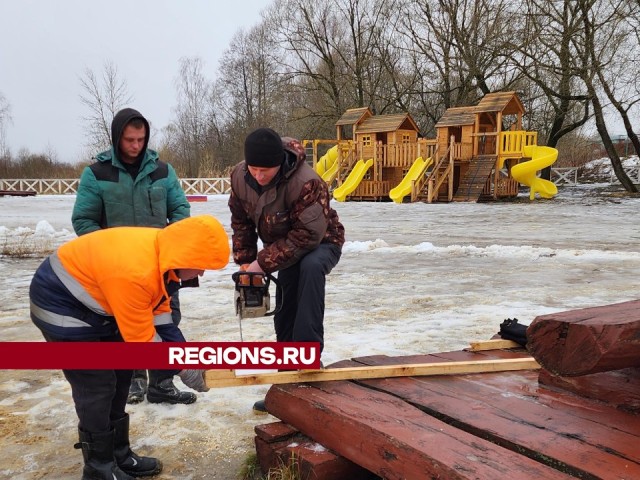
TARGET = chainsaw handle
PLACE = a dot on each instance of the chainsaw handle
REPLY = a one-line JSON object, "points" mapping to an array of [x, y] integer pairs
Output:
{"points": [[265, 279], [279, 295], [243, 278]]}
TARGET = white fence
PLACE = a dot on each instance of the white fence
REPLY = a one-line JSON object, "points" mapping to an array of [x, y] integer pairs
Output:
{"points": [[191, 186], [564, 176], [633, 173], [214, 186]]}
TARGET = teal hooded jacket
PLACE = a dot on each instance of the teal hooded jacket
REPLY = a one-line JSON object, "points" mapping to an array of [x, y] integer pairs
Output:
{"points": [[108, 195]]}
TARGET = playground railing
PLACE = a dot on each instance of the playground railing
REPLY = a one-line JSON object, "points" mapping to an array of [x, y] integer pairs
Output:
{"points": [[462, 151], [347, 159], [401, 155], [442, 170], [514, 142], [503, 185], [511, 144], [418, 185], [312, 145], [372, 189]]}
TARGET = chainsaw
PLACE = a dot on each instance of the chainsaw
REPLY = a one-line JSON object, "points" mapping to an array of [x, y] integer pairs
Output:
{"points": [[252, 298]]}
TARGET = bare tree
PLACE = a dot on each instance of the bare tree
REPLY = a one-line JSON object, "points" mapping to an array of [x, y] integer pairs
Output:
{"points": [[5, 119], [601, 42], [335, 55], [546, 53], [251, 78], [251, 91], [620, 82], [103, 96], [462, 50], [191, 115]]}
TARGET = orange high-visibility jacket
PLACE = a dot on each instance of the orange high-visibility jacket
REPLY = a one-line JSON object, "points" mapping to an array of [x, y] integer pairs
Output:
{"points": [[122, 269]]}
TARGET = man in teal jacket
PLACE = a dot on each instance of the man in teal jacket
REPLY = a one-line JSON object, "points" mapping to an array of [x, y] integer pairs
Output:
{"points": [[128, 185]]}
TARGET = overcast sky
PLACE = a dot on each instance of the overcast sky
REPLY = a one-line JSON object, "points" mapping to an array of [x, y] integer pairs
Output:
{"points": [[46, 45]]}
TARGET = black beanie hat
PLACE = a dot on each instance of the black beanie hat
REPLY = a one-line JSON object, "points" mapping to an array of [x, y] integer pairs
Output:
{"points": [[263, 148]]}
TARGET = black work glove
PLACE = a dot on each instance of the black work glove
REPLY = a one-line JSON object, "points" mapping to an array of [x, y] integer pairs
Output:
{"points": [[194, 379]]}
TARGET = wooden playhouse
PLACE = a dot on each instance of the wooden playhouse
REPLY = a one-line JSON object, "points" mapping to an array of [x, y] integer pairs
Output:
{"points": [[382, 157]]}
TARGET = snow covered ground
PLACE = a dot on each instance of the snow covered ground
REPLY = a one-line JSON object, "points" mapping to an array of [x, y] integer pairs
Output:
{"points": [[413, 278]]}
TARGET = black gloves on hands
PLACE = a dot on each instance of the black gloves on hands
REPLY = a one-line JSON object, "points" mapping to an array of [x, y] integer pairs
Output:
{"points": [[194, 379]]}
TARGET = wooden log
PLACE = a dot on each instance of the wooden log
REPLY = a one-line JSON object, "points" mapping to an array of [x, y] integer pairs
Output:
{"points": [[588, 340], [394, 439], [279, 445], [587, 439], [18, 193], [619, 388], [228, 378]]}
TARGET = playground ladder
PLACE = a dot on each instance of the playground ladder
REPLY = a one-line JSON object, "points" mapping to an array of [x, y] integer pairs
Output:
{"points": [[473, 182]]}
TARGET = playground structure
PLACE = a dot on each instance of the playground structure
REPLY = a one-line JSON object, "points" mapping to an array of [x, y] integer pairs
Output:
{"points": [[480, 152]]}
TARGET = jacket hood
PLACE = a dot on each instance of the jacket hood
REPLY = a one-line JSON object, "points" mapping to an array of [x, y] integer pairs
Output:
{"points": [[111, 156], [198, 242], [294, 155], [121, 119]]}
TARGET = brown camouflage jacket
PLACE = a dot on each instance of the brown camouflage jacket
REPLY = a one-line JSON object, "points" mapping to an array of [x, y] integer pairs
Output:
{"points": [[291, 216]]}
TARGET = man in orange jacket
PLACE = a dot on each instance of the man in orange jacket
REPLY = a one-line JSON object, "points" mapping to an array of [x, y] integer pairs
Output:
{"points": [[112, 285]]}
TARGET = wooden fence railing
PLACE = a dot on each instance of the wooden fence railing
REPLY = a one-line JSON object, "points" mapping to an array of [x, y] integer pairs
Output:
{"points": [[61, 186]]}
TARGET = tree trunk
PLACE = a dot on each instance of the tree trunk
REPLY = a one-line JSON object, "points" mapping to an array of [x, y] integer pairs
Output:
{"points": [[616, 163]]}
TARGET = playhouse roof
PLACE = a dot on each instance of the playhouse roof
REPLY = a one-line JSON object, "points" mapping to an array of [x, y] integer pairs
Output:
{"points": [[387, 123], [456, 116], [506, 102], [353, 116]]}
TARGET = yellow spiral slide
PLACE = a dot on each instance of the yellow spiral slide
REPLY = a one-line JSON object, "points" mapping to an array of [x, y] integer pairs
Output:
{"points": [[526, 172]]}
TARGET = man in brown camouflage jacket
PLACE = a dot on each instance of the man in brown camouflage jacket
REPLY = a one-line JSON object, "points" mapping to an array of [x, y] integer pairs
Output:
{"points": [[277, 196]]}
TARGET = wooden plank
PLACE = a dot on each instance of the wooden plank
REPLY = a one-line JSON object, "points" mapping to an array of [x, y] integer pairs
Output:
{"points": [[197, 198], [18, 193], [228, 378], [588, 340], [494, 344], [392, 439], [508, 409]]}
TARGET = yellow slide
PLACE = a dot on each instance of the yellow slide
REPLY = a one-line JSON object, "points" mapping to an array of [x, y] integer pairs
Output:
{"points": [[331, 173], [327, 161], [525, 173], [353, 180], [415, 172]]}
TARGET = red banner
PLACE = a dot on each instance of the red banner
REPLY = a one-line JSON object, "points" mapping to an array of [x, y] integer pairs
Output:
{"points": [[159, 355]]}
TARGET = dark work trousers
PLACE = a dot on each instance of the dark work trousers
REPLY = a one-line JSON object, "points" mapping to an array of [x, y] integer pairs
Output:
{"points": [[100, 396], [301, 318], [156, 376]]}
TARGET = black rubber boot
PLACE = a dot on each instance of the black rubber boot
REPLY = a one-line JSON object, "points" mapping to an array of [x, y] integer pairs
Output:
{"points": [[259, 407], [126, 459], [138, 387], [97, 451], [166, 392]]}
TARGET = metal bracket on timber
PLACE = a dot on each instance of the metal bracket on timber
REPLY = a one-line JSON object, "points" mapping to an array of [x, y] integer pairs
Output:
{"points": [[228, 378]]}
